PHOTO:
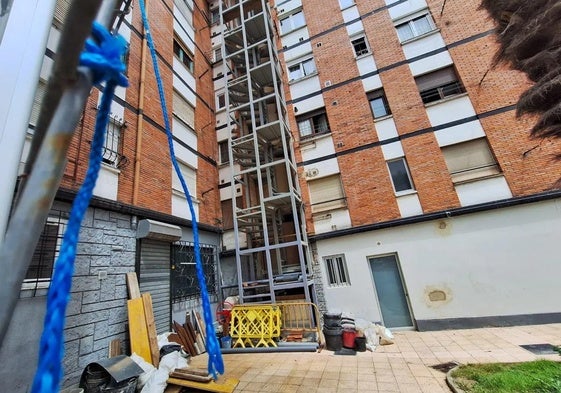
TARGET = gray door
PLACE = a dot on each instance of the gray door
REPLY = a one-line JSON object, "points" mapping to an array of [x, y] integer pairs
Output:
{"points": [[391, 292], [154, 277]]}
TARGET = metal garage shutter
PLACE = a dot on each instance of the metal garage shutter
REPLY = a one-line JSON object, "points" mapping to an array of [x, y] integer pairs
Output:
{"points": [[154, 278]]}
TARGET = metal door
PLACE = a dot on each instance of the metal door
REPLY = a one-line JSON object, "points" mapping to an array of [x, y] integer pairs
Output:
{"points": [[154, 277], [392, 296]]}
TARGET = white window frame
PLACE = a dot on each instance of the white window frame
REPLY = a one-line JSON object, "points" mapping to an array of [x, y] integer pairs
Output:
{"points": [[336, 271], [301, 64], [289, 20], [313, 126], [394, 174], [363, 52], [414, 27]]}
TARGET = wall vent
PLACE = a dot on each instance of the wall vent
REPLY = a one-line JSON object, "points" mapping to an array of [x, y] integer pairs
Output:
{"points": [[312, 172], [318, 44], [327, 83]]}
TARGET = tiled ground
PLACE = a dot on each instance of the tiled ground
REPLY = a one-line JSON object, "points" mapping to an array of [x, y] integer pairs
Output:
{"points": [[401, 367]]}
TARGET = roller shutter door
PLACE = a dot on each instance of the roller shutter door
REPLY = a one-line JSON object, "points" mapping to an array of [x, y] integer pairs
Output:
{"points": [[154, 278]]}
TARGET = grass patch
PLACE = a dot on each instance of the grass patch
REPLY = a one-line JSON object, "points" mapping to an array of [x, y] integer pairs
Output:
{"points": [[540, 376]]}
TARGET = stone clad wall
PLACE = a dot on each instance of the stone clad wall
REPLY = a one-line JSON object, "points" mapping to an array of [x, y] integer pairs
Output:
{"points": [[97, 311]]}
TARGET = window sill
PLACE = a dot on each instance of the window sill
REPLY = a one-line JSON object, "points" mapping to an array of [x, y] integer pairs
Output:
{"points": [[308, 140], [295, 81], [382, 118], [420, 37], [446, 99], [110, 168], [405, 193], [357, 58], [476, 179]]}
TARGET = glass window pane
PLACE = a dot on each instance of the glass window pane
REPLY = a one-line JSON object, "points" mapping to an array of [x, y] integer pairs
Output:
{"points": [[359, 46], [378, 107], [400, 177], [305, 127], [320, 123], [309, 67], [346, 3], [284, 25], [404, 32], [295, 72], [298, 20], [422, 25]]}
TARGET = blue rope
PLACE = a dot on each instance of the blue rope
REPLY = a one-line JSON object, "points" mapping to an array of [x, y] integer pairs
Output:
{"points": [[215, 361], [105, 61]]}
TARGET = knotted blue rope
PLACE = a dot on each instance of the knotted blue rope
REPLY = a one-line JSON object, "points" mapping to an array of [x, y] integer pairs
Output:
{"points": [[215, 361], [104, 58]]}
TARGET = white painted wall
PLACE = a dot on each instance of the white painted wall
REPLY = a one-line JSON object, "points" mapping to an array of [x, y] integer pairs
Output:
{"points": [[288, 6], [304, 86], [297, 51], [486, 190], [372, 82], [331, 221], [405, 8], [386, 129], [366, 64], [107, 183], [392, 150], [409, 204], [309, 104], [497, 262]]}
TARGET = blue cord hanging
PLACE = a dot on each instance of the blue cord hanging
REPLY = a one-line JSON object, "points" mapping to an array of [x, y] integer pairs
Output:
{"points": [[104, 58], [215, 361]]}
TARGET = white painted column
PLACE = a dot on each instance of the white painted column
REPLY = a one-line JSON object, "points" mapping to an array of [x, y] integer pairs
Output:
{"points": [[22, 50]]}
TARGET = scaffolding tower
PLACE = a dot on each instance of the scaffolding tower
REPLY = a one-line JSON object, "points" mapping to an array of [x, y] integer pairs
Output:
{"points": [[266, 198]]}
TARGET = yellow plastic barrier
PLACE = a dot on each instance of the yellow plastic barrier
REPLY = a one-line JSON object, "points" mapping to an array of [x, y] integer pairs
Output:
{"points": [[255, 325]]}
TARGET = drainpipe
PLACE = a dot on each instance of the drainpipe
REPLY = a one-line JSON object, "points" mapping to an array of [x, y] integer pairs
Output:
{"points": [[140, 118]]}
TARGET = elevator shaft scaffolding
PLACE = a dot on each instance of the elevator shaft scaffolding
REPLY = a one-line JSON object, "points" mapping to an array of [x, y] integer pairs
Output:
{"points": [[266, 199]]}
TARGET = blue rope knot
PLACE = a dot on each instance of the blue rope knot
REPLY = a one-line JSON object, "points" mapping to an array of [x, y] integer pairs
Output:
{"points": [[103, 55], [105, 60]]}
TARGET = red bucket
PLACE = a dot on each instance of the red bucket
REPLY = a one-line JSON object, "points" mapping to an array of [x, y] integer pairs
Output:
{"points": [[349, 336]]}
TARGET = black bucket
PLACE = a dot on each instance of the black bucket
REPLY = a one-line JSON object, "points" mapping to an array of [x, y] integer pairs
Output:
{"points": [[333, 338], [332, 320], [360, 344]]}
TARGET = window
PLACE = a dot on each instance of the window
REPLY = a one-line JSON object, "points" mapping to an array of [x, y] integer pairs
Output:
{"points": [[360, 46], [183, 55], [415, 27], [221, 100], [313, 123], [336, 268], [214, 16], [223, 151], [346, 3], [470, 160], [40, 270], [327, 194], [111, 154], [399, 172], [378, 104], [183, 110], [217, 54], [439, 84], [184, 283], [61, 10], [302, 69], [190, 177], [292, 22], [37, 101]]}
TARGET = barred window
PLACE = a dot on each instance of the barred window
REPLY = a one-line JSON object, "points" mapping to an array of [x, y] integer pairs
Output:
{"points": [[184, 283], [336, 268], [40, 271]]}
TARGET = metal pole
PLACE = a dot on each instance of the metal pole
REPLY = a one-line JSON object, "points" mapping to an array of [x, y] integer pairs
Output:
{"points": [[38, 194]]}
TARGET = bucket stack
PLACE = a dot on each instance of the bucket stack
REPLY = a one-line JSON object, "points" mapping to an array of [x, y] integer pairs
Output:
{"points": [[332, 330]]}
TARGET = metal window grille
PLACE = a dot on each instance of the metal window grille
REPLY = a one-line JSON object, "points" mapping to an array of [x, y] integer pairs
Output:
{"points": [[112, 147], [184, 283], [38, 277], [336, 268]]}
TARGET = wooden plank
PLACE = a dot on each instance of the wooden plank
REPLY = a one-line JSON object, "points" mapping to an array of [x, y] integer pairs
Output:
{"points": [[200, 342], [184, 338], [201, 326], [151, 327], [138, 332], [132, 285], [115, 348], [226, 386], [192, 336], [194, 371], [190, 377]]}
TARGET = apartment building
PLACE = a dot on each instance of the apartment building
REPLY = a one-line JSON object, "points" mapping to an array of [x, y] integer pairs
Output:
{"points": [[426, 204], [138, 220], [364, 155]]}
